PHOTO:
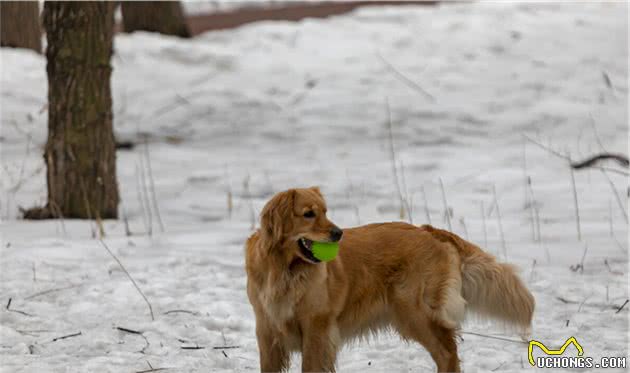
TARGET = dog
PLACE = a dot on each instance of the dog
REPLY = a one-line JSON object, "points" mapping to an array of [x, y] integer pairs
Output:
{"points": [[419, 281]]}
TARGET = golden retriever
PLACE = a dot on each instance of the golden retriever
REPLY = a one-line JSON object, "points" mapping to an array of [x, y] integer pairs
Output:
{"points": [[418, 281]]}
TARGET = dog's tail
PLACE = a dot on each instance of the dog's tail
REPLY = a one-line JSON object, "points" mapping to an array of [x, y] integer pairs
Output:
{"points": [[490, 288]]}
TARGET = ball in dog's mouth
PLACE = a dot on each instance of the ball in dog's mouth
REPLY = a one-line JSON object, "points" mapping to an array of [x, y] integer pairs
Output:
{"points": [[318, 251], [306, 248]]}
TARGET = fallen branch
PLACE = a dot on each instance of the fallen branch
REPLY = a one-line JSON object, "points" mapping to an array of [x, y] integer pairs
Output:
{"points": [[66, 336], [130, 278], [583, 303], [181, 311], [152, 370], [224, 347], [131, 331], [622, 306], [16, 311], [622, 206], [622, 160], [192, 348], [566, 158]]}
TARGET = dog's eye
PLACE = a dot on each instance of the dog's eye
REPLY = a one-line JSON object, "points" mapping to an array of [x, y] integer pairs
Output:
{"points": [[309, 214]]}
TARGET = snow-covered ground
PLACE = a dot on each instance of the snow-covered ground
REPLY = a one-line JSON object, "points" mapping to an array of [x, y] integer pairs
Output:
{"points": [[252, 111]]}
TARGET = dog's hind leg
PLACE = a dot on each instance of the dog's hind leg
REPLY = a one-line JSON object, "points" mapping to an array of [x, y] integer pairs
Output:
{"points": [[414, 323]]}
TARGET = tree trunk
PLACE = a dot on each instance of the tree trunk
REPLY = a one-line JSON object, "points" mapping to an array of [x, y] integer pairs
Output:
{"points": [[80, 153], [165, 17], [20, 26]]}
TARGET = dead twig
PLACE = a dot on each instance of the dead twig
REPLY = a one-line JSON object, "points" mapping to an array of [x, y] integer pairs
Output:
{"points": [[180, 311], [591, 161], [67, 336], [250, 203], [51, 291], [495, 337], [498, 367], [426, 205], [622, 306], [404, 206], [531, 274], [131, 331], [125, 221], [143, 210], [496, 202], [446, 210], [130, 278], [618, 273], [152, 185], [580, 266], [566, 158], [408, 197], [225, 347], [192, 348], [8, 308], [126, 330], [575, 203], [621, 205], [534, 209], [152, 370], [463, 223], [403, 78], [145, 195], [483, 222]]}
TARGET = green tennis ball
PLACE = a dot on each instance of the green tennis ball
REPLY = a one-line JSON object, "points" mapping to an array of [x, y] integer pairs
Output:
{"points": [[325, 251]]}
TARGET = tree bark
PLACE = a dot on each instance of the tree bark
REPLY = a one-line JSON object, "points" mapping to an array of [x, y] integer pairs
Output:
{"points": [[20, 26], [165, 17], [80, 152]]}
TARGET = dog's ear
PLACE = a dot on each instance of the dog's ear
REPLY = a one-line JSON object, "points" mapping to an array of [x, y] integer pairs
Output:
{"points": [[276, 217], [316, 190]]}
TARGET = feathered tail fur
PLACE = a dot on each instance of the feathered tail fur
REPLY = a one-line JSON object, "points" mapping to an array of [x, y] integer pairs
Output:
{"points": [[491, 289]]}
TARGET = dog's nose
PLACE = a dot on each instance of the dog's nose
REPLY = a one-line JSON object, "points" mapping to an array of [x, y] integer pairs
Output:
{"points": [[335, 234]]}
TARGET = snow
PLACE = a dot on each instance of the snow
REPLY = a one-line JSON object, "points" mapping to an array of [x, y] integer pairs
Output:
{"points": [[272, 105]]}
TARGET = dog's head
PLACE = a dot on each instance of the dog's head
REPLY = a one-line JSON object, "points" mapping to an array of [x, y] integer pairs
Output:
{"points": [[293, 219]]}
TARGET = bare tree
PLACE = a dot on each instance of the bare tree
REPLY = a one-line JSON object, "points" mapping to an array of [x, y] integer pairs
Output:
{"points": [[165, 17], [20, 26], [80, 151]]}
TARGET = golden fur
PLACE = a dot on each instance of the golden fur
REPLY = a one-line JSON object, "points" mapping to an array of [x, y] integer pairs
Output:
{"points": [[417, 280]]}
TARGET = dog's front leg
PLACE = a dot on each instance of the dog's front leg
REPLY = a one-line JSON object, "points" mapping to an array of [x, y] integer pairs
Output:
{"points": [[320, 341], [274, 356]]}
